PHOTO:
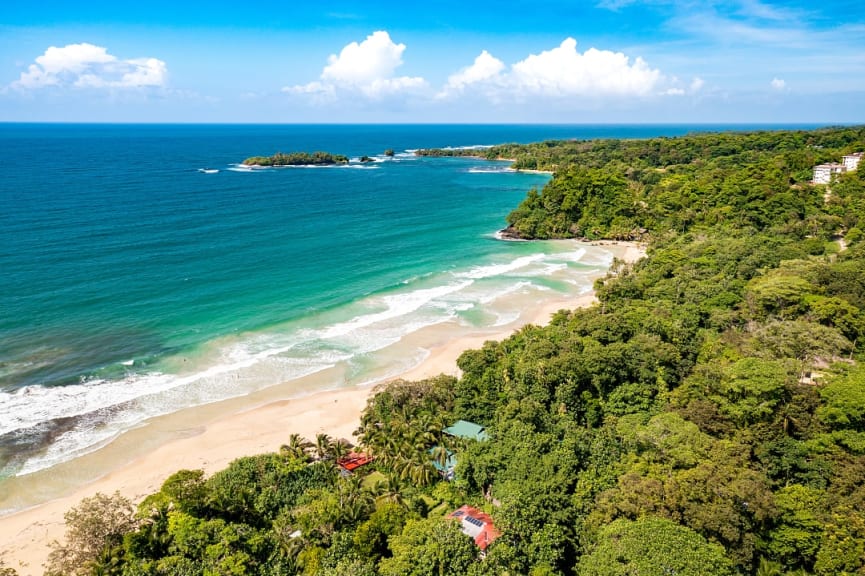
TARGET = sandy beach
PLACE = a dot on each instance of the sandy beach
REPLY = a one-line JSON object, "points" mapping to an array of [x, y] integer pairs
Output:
{"points": [[211, 436]]}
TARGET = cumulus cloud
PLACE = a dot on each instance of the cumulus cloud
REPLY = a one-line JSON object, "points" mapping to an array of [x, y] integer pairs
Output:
{"points": [[88, 66], [368, 67], [676, 89], [486, 67], [561, 72], [778, 84]]}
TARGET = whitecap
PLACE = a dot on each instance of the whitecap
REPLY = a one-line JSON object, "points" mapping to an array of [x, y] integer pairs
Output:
{"points": [[490, 170], [498, 269]]}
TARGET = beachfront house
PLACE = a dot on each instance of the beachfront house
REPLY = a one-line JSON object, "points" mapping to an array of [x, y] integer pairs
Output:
{"points": [[851, 161], [352, 461], [459, 429], [823, 173], [466, 429], [477, 525], [445, 467]]}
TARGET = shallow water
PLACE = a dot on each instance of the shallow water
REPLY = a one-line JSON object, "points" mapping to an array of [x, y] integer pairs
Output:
{"points": [[145, 271]]}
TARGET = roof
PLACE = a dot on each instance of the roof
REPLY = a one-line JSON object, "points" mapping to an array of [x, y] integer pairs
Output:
{"points": [[450, 462], [476, 524], [830, 165], [855, 155], [354, 460], [466, 429]]}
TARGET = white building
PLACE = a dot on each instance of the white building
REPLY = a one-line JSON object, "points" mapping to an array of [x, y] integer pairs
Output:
{"points": [[823, 173], [851, 161]]}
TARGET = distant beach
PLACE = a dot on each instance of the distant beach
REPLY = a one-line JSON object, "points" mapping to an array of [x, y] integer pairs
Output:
{"points": [[211, 436]]}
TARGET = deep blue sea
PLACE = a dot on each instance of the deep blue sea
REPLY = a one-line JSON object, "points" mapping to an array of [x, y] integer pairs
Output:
{"points": [[132, 283]]}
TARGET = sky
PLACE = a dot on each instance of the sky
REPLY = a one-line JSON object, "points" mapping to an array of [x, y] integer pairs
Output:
{"points": [[469, 61]]}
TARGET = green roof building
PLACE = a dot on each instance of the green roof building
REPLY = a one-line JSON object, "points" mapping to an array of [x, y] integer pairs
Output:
{"points": [[466, 429], [446, 470]]}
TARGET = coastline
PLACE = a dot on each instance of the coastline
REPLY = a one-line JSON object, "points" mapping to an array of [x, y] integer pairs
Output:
{"points": [[211, 436]]}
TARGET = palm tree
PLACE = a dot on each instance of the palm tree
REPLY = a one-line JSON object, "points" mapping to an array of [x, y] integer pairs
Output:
{"points": [[769, 568], [422, 473], [416, 470], [441, 455], [291, 540], [296, 447], [323, 446], [340, 448], [389, 490], [355, 502]]}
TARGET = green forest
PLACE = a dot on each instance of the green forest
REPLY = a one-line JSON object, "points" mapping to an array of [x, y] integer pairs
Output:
{"points": [[705, 417], [297, 159]]}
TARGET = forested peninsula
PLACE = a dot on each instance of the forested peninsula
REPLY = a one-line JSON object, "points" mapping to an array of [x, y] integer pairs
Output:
{"points": [[297, 159], [705, 418]]}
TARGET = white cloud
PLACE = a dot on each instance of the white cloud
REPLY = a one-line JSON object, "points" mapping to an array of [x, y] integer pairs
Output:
{"points": [[778, 84], [370, 68], [486, 67], [560, 72], [316, 89], [675, 88], [87, 66], [374, 58], [563, 71], [367, 67]]}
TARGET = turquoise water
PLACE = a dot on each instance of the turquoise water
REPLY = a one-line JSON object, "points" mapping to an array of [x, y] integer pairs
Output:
{"points": [[133, 284]]}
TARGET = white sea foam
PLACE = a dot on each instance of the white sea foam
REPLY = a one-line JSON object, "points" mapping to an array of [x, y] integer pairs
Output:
{"points": [[245, 168], [575, 256], [490, 170], [499, 269], [505, 318], [101, 425], [546, 269], [105, 408], [507, 290], [475, 147], [236, 365], [396, 305], [499, 235]]}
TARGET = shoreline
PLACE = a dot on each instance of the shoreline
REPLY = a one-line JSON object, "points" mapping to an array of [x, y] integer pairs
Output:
{"points": [[211, 436]]}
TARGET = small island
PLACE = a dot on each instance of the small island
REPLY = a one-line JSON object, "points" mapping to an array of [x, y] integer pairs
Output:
{"points": [[483, 153], [297, 159]]}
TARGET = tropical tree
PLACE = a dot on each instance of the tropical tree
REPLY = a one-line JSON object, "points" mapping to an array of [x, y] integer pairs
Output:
{"points": [[97, 524], [389, 490], [297, 446], [340, 448], [430, 547], [653, 546], [323, 447]]}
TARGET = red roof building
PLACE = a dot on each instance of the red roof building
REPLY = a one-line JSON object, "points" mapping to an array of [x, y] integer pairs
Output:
{"points": [[477, 525], [354, 461]]}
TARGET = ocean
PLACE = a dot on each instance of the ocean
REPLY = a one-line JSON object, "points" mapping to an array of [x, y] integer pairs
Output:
{"points": [[135, 284]]}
